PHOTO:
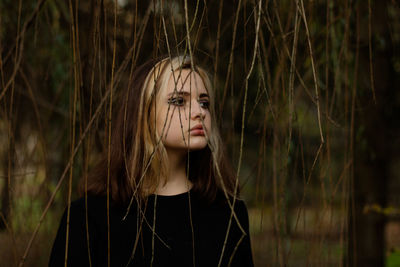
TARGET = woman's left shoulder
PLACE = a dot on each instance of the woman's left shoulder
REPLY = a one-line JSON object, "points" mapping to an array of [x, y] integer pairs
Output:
{"points": [[236, 204], [240, 204], [241, 209]]}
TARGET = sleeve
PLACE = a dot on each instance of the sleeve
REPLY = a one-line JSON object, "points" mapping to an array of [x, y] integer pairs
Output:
{"points": [[77, 239], [243, 255]]}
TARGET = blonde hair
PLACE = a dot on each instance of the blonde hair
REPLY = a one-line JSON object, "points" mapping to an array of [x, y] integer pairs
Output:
{"points": [[139, 160]]}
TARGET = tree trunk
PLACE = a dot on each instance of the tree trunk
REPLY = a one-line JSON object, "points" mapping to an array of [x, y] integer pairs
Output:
{"points": [[373, 149]]}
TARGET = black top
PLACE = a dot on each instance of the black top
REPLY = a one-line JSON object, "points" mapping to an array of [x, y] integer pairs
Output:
{"points": [[169, 245]]}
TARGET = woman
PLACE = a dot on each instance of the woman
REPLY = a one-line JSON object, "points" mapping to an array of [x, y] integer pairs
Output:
{"points": [[165, 196]]}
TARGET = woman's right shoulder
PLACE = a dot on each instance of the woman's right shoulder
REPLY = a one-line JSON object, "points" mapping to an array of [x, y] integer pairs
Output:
{"points": [[93, 204]]}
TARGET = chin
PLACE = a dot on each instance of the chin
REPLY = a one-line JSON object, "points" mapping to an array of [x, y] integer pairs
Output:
{"points": [[197, 147], [197, 143]]}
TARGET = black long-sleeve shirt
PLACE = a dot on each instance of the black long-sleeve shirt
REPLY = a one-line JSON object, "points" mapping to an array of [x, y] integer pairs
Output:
{"points": [[174, 242]]}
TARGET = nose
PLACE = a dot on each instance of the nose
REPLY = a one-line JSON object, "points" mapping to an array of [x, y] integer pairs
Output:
{"points": [[197, 111]]}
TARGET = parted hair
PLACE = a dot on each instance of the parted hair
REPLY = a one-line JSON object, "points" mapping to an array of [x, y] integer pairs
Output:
{"points": [[138, 160]]}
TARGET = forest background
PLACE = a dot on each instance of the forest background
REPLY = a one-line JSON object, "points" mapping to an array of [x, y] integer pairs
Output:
{"points": [[307, 95]]}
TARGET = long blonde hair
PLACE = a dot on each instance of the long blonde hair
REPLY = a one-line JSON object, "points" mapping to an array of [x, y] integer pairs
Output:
{"points": [[138, 158]]}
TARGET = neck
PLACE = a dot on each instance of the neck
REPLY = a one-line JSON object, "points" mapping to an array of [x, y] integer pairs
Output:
{"points": [[177, 181]]}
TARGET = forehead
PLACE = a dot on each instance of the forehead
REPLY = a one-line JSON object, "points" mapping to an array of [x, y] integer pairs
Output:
{"points": [[184, 80]]}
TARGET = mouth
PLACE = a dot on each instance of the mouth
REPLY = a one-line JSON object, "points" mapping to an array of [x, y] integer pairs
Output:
{"points": [[197, 130]]}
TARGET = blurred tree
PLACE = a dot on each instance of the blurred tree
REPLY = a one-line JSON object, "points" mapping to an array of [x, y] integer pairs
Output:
{"points": [[377, 128]]}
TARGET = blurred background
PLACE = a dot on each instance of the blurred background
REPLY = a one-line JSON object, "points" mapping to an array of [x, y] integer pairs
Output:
{"points": [[307, 95]]}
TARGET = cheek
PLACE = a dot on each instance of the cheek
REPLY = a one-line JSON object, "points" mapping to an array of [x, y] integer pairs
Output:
{"points": [[160, 120], [207, 123], [171, 121], [177, 115]]}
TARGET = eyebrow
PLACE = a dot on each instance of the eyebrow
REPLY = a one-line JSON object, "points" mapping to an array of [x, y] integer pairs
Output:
{"points": [[185, 93]]}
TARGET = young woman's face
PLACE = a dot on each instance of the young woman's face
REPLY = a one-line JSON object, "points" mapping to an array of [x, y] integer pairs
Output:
{"points": [[182, 111]]}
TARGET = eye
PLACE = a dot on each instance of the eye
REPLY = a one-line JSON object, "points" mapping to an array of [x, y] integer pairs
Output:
{"points": [[204, 104], [177, 101]]}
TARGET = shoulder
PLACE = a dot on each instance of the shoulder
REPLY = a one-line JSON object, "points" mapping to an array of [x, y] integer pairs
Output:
{"points": [[91, 204], [238, 203], [240, 208], [226, 206], [89, 201]]}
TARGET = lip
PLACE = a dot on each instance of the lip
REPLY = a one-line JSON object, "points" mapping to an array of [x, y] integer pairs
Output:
{"points": [[197, 127], [197, 130]]}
